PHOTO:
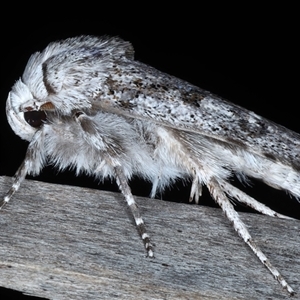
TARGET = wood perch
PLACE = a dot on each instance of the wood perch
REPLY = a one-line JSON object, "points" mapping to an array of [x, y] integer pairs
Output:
{"points": [[66, 242]]}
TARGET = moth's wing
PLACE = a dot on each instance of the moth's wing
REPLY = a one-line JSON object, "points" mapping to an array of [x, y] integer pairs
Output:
{"points": [[90, 73], [140, 91]]}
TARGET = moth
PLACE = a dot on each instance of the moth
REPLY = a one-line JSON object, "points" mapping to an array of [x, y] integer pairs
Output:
{"points": [[85, 103]]}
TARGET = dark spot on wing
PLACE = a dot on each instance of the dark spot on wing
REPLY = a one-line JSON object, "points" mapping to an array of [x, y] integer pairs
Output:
{"points": [[270, 156]]}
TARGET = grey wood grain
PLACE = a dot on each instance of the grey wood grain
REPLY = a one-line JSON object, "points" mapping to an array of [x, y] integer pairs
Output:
{"points": [[65, 242]]}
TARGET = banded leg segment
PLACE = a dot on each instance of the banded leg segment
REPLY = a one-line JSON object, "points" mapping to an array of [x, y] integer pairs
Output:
{"points": [[125, 189], [242, 197], [19, 178], [220, 197], [32, 162]]}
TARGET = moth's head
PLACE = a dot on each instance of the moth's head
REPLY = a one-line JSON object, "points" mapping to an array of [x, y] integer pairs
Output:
{"points": [[24, 119]]}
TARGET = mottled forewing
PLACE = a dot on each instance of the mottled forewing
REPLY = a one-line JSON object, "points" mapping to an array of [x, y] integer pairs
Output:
{"points": [[140, 91]]}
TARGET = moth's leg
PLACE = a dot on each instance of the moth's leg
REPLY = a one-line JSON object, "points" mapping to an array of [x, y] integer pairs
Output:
{"points": [[242, 197], [125, 189], [220, 197], [196, 190], [90, 133], [31, 162], [154, 187], [18, 179]]}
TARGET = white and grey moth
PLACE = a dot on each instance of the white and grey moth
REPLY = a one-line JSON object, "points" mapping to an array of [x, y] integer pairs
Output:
{"points": [[85, 103]]}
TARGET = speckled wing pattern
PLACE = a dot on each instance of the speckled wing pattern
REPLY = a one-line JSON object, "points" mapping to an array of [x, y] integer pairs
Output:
{"points": [[145, 92], [148, 93], [85, 103]]}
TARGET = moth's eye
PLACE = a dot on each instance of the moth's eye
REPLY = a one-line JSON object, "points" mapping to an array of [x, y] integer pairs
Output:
{"points": [[35, 118]]}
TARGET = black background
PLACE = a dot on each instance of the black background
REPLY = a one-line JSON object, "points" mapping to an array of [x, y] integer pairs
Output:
{"points": [[248, 55]]}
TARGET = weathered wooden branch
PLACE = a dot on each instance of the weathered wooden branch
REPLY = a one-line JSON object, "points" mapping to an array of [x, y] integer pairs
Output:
{"points": [[65, 242]]}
